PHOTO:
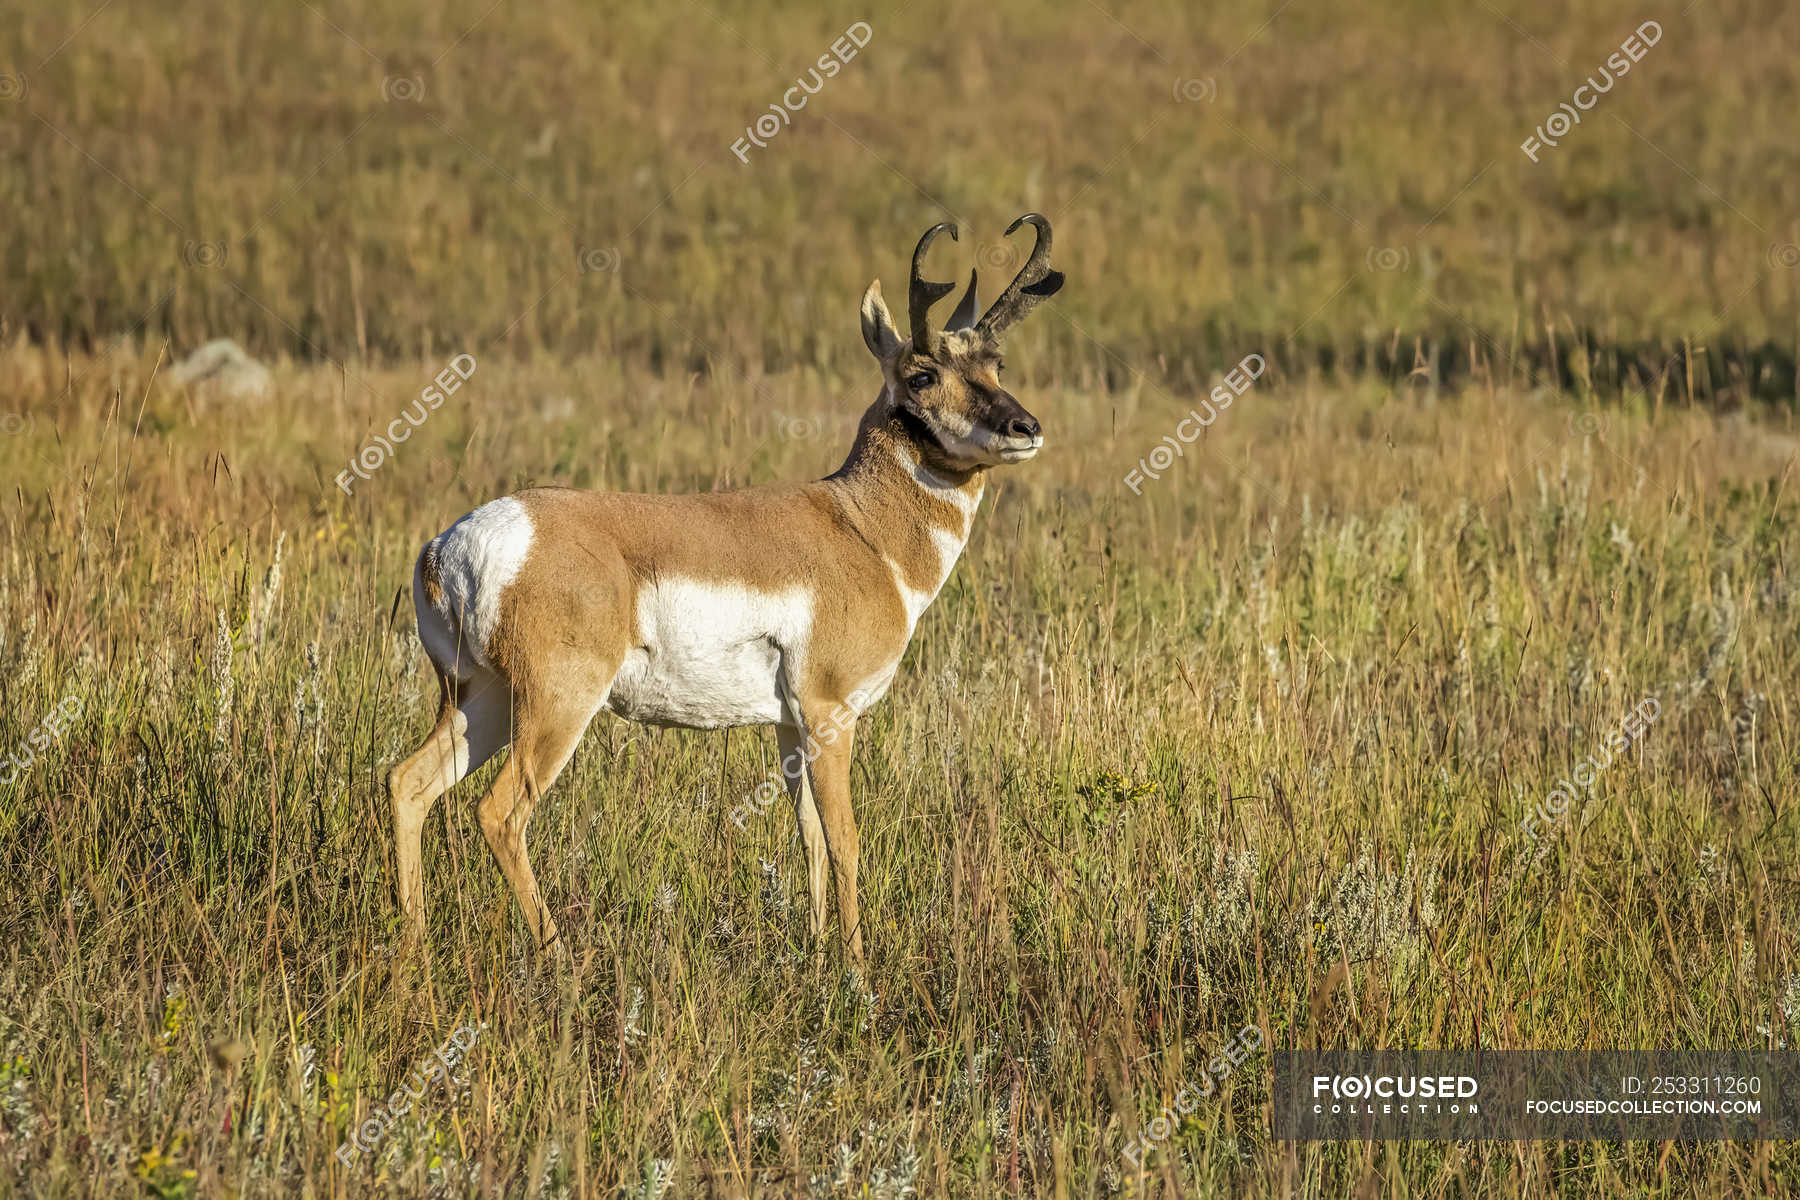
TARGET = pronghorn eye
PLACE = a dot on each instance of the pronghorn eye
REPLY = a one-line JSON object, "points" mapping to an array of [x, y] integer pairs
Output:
{"points": [[920, 380]]}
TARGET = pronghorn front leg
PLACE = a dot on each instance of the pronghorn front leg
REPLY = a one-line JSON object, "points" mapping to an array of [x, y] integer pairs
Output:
{"points": [[832, 728], [795, 757]]}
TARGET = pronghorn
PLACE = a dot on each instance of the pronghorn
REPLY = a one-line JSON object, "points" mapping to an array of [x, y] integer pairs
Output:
{"points": [[771, 605]]}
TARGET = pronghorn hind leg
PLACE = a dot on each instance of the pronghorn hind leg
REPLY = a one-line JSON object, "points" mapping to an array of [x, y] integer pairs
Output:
{"points": [[543, 743], [791, 743], [472, 725]]}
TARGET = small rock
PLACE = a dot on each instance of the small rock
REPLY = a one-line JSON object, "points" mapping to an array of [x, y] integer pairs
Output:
{"points": [[223, 369]]}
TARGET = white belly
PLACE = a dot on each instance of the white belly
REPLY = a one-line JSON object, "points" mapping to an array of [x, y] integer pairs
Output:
{"points": [[710, 655]]}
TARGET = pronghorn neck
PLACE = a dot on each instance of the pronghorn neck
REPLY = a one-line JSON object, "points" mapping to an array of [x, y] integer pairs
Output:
{"points": [[914, 513]]}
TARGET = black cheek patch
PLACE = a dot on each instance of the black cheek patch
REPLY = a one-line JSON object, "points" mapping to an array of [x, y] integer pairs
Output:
{"points": [[917, 429]]}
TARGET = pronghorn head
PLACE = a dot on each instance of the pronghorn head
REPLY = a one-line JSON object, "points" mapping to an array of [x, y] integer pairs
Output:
{"points": [[945, 384]]}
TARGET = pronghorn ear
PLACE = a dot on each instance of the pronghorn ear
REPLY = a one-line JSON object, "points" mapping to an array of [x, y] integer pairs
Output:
{"points": [[877, 326]]}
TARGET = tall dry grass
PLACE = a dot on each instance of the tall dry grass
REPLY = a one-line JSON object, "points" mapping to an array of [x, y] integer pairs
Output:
{"points": [[1153, 765], [408, 180]]}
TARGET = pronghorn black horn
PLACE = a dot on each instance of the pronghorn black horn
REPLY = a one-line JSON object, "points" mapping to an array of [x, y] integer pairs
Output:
{"points": [[966, 308], [1034, 282], [921, 294]]}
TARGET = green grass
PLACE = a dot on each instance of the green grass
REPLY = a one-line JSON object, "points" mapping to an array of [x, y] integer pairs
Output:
{"points": [[1145, 764]]}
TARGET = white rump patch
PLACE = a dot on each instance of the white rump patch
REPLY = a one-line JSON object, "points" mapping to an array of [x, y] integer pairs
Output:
{"points": [[710, 655], [475, 560]]}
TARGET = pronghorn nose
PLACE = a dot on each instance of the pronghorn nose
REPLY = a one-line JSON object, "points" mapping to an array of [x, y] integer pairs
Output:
{"points": [[1023, 427]]}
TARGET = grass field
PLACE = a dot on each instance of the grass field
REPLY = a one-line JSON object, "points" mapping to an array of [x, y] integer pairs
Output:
{"points": [[1246, 743], [405, 179], [1155, 765]]}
